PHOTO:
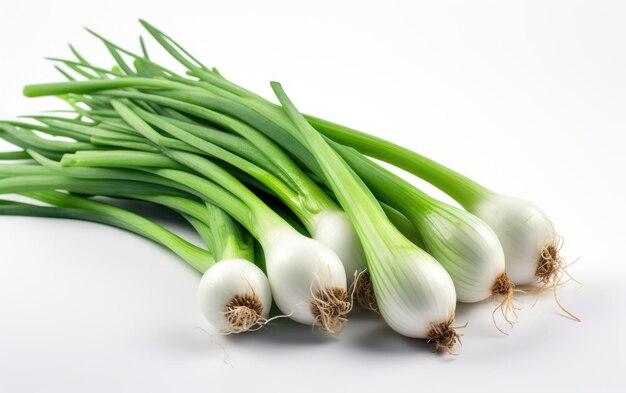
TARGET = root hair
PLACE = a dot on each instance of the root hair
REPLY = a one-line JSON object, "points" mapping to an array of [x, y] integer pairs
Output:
{"points": [[550, 264], [243, 313], [502, 292], [364, 292], [444, 335], [329, 306], [551, 269]]}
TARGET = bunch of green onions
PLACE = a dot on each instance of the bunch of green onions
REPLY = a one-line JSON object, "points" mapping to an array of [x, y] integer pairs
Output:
{"points": [[290, 207]]}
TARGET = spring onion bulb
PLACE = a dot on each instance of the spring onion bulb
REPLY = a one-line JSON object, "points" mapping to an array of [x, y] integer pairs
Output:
{"points": [[527, 235], [234, 292], [414, 293]]}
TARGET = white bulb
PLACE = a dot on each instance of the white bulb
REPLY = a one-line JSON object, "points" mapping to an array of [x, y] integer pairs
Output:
{"points": [[413, 292], [299, 267], [524, 231], [231, 282], [334, 229], [467, 248]]}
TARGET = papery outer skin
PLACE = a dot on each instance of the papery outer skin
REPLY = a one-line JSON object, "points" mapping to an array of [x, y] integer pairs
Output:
{"points": [[523, 229], [226, 279], [334, 229], [466, 247], [413, 291], [298, 267]]}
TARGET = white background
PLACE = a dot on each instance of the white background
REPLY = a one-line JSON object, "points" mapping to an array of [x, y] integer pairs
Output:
{"points": [[527, 97]]}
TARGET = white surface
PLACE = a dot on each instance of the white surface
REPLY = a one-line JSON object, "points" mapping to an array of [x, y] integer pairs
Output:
{"points": [[526, 97]]}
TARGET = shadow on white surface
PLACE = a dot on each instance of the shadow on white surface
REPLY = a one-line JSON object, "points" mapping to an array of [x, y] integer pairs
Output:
{"points": [[382, 340], [283, 332]]}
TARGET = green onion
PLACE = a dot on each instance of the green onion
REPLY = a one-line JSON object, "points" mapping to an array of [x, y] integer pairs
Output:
{"points": [[415, 294], [234, 293]]}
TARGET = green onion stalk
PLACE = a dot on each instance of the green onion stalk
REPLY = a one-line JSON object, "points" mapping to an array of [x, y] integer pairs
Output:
{"points": [[234, 293]]}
